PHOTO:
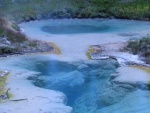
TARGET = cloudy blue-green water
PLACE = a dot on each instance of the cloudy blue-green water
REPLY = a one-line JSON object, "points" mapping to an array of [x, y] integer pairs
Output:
{"points": [[82, 82], [88, 85], [77, 26], [74, 29], [74, 78]]}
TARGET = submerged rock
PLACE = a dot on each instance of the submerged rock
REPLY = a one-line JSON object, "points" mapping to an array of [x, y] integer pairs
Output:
{"points": [[66, 80], [90, 86]]}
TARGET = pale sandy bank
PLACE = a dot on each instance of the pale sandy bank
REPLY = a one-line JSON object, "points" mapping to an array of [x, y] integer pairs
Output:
{"points": [[33, 99]]}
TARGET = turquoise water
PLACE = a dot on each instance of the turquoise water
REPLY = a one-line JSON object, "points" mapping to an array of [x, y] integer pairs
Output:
{"points": [[85, 80], [74, 79], [78, 26], [74, 29], [88, 85]]}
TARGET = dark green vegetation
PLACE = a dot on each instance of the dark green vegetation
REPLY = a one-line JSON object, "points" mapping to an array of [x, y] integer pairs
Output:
{"points": [[140, 47], [26, 10], [13, 41]]}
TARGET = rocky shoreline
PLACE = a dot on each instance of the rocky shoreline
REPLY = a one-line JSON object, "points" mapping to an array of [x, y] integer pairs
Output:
{"points": [[116, 51], [14, 42], [128, 63], [125, 75], [37, 47]]}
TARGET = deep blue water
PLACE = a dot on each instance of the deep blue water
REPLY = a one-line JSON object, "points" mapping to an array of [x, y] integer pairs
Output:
{"points": [[73, 79], [88, 85]]}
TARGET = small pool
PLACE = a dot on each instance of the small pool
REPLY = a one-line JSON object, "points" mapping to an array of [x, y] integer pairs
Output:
{"points": [[81, 26]]}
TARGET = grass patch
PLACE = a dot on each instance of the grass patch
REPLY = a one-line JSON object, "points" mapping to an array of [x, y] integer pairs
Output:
{"points": [[10, 30], [148, 85], [88, 55], [3, 80], [7, 50], [15, 41], [15, 27], [2, 85]]}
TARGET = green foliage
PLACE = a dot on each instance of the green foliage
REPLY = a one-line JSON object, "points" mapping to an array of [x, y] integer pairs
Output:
{"points": [[134, 46], [27, 10], [3, 82], [1, 32], [28, 14], [33, 44], [141, 47], [15, 27], [11, 32], [15, 37], [12, 41], [7, 50], [148, 85]]}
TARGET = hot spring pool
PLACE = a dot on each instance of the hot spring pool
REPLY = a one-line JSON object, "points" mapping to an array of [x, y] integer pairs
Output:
{"points": [[88, 85], [74, 36], [82, 26]]}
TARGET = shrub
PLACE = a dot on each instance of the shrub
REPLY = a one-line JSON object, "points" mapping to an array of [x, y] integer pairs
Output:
{"points": [[7, 50], [133, 46], [10, 30], [33, 9], [141, 47]]}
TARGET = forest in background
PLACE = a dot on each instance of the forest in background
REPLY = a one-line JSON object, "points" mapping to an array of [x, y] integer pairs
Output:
{"points": [[26, 10]]}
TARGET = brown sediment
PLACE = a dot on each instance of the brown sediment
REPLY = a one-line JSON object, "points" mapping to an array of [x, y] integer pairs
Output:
{"points": [[106, 48], [3, 90], [56, 49], [115, 47], [91, 50], [144, 68]]}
